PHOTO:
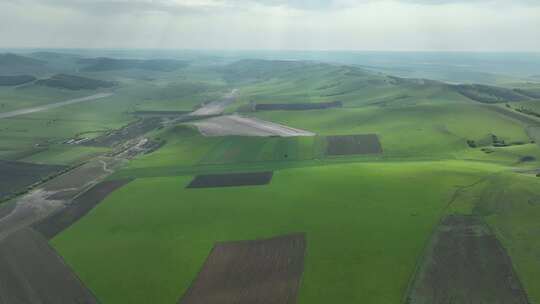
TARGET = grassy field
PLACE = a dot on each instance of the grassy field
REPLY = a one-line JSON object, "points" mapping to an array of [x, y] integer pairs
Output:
{"points": [[364, 235], [367, 218]]}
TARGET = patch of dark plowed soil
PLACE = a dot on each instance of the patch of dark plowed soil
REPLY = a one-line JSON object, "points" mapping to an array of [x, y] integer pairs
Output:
{"points": [[250, 272], [32, 272], [353, 144], [297, 106], [231, 180], [128, 132], [465, 263], [16, 176], [79, 207]]}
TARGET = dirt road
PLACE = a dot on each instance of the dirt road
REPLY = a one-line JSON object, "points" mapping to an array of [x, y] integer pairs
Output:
{"points": [[54, 105], [216, 107], [52, 195]]}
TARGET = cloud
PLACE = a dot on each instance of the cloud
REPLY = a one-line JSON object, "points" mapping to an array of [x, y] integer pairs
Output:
{"points": [[273, 24]]}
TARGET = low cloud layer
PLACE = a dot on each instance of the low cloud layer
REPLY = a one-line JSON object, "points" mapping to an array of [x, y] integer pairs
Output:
{"points": [[474, 25]]}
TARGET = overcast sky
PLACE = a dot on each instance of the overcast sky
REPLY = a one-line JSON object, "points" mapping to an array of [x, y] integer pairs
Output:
{"points": [[397, 25]]}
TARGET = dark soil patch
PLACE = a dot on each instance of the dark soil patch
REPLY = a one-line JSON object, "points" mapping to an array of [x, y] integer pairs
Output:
{"points": [[32, 272], [353, 144], [297, 106], [131, 131], [15, 80], [527, 158], [250, 272], [72, 82], [17, 176], [465, 263], [231, 180], [79, 207]]}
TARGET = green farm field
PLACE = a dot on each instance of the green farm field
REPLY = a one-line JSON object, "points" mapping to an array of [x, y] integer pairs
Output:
{"points": [[367, 218], [364, 235]]}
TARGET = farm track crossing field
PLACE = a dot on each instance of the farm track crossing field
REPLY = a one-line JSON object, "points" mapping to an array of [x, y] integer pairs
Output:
{"points": [[466, 264], [32, 272], [75, 210], [250, 272], [353, 144], [16, 176], [231, 180]]}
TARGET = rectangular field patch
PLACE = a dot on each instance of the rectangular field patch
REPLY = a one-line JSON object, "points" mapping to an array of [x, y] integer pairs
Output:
{"points": [[15, 176], [231, 180], [353, 144], [32, 272], [250, 272], [465, 263], [78, 208]]}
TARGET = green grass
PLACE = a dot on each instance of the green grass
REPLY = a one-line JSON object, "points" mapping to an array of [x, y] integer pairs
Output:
{"points": [[367, 218], [65, 155], [147, 241]]}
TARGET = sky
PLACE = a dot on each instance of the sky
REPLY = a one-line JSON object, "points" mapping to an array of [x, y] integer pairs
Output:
{"points": [[389, 25]]}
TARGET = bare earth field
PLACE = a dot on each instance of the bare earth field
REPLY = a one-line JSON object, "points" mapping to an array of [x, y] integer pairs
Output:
{"points": [[32, 272], [353, 144], [79, 207], [465, 263], [231, 180], [18, 175], [244, 126], [250, 272], [53, 195]]}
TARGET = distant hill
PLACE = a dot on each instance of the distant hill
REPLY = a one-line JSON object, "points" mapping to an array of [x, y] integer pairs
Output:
{"points": [[110, 64], [12, 64], [491, 94], [15, 80], [72, 82]]}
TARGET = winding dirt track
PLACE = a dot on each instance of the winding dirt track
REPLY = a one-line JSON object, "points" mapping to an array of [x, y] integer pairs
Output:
{"points": [[52, 195]]}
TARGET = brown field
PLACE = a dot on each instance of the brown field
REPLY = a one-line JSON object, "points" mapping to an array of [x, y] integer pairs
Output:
{"points": [[465, 263], [16, 176], [32, 272], [250, 272], [231, 180], [79, 207], [353, 144]]}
